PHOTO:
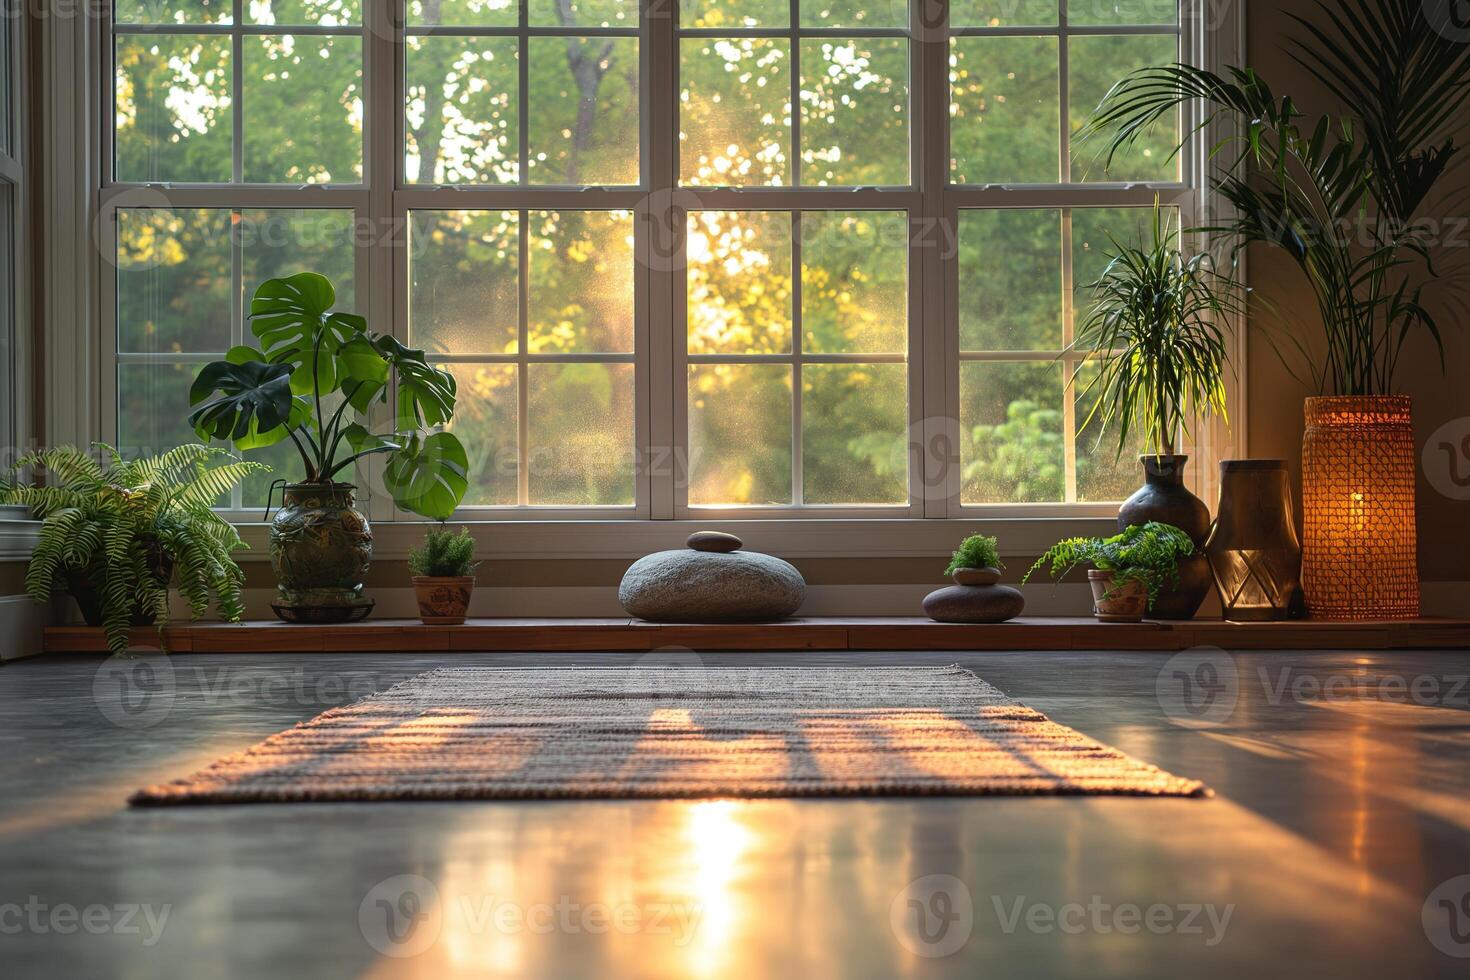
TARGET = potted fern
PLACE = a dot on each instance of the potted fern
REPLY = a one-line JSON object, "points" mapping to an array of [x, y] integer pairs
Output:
{"points": [[1156, 334], [1129, 570], [117, 537], [444, 575]]}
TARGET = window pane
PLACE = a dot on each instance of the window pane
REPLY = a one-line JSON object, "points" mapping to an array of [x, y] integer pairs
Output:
{"points": [[854, 282], [461, 112], [854, 13], [739, 282], [282, 242], [1011, 432], [303, 109], [581, 286], [152, 405], [1004, 110], [1122, 11], [285, 464], [854, 433], [486, 420], [1010, 291], [1092, 248], [463, 281], [854, 111], [1095, 65], [327, 13], [739, 434], [583, 13], [1101, 474], [173, 108], [1002, 13], [583, 110], [477, 13], [173, 282], [735, 13], [172, 11], [581, 434], [7, 322], [735, 111]]}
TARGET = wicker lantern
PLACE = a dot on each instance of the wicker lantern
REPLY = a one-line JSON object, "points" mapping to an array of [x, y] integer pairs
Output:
{"points": [[1359, 546]]}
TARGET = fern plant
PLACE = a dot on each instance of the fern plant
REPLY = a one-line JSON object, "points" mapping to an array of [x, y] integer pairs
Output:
{"points": [[127, 530], [445, 554], [976, 551], [1145, 553]]}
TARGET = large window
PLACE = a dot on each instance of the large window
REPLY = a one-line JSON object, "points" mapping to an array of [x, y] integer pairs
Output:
{"points": [[766, 257]]}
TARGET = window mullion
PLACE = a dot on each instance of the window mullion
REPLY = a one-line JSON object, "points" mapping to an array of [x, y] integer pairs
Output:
{"points": [[1069, 396], [237, 102], [798, 490]]}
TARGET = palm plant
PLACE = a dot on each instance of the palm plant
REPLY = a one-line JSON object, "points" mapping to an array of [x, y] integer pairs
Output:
{"points": [[118, 536], [1399, 67], [1156, 334]]}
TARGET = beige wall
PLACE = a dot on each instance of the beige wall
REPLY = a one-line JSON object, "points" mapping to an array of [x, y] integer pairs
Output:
{"points": [[1274, 399]]}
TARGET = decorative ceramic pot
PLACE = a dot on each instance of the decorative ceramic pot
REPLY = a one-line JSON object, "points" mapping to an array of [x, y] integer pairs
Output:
{"points": [[1359, 535], [443, 600], [1164, 498], [1111, 603], [1254, 551], [321, 547]]}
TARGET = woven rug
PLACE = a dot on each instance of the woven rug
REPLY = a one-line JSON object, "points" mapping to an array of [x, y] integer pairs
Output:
{"points": [[670, 732]]}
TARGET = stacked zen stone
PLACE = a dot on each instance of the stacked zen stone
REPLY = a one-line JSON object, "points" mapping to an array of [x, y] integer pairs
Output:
{"points": [[711, 581], [976, 597]]}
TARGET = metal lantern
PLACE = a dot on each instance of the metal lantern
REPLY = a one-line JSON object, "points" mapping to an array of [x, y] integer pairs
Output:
{"points": [[1254, 552]]}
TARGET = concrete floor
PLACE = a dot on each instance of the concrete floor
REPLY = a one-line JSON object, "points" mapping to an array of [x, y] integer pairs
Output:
{"points": [[1342, 818]]}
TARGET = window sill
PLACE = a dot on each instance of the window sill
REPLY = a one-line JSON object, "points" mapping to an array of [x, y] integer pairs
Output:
{"points": [[18, 539], [795, 538]]}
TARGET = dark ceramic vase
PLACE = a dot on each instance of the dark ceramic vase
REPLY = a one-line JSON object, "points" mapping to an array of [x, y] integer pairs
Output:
{"points": [[321, 548], [1164, 498]]}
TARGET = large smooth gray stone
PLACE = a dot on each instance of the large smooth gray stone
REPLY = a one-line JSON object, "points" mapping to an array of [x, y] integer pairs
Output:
{"points": [[974, 604], [711, 587]]}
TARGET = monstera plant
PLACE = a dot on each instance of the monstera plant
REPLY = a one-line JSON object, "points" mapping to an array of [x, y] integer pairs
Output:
{"points": [[316, 374]]}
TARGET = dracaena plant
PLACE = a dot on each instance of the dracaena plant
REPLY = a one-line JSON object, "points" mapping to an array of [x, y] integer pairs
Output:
{"points": [[315, 374], [1155, 332], [1342, 196]]}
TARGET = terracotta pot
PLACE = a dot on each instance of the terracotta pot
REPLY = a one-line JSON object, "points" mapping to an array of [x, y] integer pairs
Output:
{"points": [[1164, 498], [321, 547], [1125, 603], [443, 601]]}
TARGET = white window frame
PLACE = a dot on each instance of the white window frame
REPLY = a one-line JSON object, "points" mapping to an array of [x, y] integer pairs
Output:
{"points": [[81, 397], [14, 249]]}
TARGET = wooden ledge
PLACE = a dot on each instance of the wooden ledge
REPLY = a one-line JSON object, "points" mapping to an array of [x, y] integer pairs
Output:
{"points": [[815, 633]]}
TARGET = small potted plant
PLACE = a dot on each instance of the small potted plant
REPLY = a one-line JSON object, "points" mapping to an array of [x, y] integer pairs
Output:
{"points": [[1129, 570], [444, 575], [976, 561], [117, 537], [976, 596]]}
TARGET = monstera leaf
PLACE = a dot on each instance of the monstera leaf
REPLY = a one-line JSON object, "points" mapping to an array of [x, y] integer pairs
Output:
{"points": [[428, 475], [290, 318], [425, 394], [256, 404], [364, 371]]}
